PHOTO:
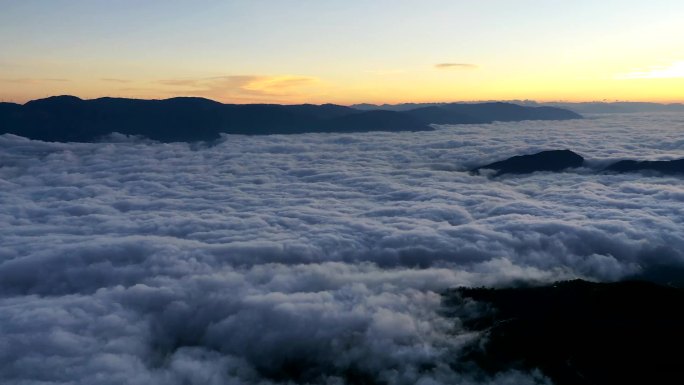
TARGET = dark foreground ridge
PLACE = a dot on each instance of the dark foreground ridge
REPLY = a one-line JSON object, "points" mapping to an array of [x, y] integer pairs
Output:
{"points": [[554, 160], [559, 160], [578, 332], [70, 119]]}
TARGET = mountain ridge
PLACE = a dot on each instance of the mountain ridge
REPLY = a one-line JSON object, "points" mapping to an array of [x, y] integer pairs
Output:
{"points": [[68, 118]]}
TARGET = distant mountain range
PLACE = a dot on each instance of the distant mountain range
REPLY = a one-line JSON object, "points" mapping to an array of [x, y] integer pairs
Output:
{"points": [[455, 113], [581, 108], [71, 119], [614, 107]]}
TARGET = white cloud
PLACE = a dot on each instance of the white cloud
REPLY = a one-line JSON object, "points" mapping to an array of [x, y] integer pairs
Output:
{"points": [[148, 263], [674, 70]]}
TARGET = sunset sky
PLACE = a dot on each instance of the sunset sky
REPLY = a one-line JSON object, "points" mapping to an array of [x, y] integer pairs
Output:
{"points": [[344, 51]]}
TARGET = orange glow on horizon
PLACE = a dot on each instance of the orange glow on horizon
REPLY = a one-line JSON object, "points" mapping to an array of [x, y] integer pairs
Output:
{"points": [[393, 89]]}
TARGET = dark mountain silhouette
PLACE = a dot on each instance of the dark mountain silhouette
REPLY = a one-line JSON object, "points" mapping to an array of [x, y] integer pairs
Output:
{"points": [[507, 112], [394, 107], [6, 108], [662, 166], [442, 115], [559, 160], [379, 119], [554, 160], [578, 332], [474, 113], [68, 118], [323, 111], [10, 113], [579, 107]]}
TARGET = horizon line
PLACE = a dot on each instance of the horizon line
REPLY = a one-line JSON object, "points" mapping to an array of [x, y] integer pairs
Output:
{"points": [[512, 101]]}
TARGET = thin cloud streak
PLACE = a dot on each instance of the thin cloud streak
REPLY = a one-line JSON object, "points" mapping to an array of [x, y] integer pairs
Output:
{"points": [[464, 66], [35, 81], [245, 87], [115, 80]]}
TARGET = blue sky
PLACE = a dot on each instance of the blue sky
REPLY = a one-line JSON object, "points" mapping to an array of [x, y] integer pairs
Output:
{"points": [[342, 51]]}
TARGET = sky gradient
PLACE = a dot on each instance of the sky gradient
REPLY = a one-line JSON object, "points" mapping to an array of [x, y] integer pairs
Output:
{"points": [[344, 51]]}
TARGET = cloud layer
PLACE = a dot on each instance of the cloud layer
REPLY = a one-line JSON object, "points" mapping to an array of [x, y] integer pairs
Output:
{"points": [[313, 258]]}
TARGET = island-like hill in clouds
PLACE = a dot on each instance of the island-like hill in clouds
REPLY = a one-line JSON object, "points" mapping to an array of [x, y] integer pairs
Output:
{"points": [[71, 119], [560, 160]]}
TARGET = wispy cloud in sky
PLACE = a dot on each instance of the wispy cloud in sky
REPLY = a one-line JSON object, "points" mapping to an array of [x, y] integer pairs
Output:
{"points": [[34, 81], [278, 84], [463, 66], [115, 80], [674, 70], [244, 87]]}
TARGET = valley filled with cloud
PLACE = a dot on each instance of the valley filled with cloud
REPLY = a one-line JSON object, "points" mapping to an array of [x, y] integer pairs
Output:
{"points": [[311, 258]]}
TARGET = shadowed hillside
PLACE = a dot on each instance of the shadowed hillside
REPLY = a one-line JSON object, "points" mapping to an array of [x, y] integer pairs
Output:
{"points": [[579, 332]]}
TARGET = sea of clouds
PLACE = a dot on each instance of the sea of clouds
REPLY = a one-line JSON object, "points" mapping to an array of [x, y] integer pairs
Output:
{"points": [[315, 258]]}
